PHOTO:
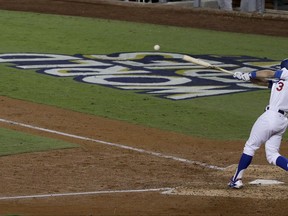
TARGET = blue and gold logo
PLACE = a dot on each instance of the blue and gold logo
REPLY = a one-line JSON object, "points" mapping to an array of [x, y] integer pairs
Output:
{"points": [[160, 74]]}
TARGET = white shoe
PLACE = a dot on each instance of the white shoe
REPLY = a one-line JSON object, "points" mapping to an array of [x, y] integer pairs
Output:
{"points": [[237, 184]]}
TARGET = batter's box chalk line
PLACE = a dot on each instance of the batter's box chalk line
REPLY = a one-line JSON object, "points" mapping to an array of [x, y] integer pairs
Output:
{"points": [[270, 192], [84, 193], [117, 145]]}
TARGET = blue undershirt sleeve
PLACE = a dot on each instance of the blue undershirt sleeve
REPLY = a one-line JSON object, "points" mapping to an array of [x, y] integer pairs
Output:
{"points": [[278, 74]]}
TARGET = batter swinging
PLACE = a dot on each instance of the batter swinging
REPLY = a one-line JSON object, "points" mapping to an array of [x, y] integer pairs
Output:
{"points": [[271, 125]]}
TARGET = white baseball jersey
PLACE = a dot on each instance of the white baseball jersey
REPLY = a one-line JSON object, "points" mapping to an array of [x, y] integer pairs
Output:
{"points": [[279, 91], [271, 125]]}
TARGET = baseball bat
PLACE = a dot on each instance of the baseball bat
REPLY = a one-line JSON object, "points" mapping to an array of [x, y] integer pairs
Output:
{"points": [[204, 64]]}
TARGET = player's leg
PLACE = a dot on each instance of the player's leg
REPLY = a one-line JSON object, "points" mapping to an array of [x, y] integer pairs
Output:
{"points": [[272, 148], [236, 180], [259, 134], [282, 162], [225, 5]]}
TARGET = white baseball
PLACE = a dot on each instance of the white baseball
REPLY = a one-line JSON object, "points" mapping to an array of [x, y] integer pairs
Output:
{"points": [[156, 47]]}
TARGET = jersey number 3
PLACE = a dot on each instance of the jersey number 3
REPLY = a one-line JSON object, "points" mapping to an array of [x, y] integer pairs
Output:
{"points": [[280, 85]]}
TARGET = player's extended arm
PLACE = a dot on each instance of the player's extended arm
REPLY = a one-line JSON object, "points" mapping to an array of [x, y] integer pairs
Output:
{"points": [[260, 77], [265, 74]]}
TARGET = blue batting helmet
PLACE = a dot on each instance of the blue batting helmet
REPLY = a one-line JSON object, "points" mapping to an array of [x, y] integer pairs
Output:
{"points": [[284, 64]]}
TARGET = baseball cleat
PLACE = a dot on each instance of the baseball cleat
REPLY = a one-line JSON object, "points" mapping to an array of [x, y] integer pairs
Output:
{"points": [[237, 184]]}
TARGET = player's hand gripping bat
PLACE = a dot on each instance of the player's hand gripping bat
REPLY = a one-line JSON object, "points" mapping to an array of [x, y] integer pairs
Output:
{"points": [[205, 64]]}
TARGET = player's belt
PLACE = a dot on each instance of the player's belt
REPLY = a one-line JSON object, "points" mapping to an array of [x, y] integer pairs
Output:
{"points": [[279, 111], [282, 112]]}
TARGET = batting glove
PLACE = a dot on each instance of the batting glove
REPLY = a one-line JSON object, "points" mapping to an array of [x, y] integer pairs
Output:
{"points": [[238, 75], [242, 76], [246, 76]]}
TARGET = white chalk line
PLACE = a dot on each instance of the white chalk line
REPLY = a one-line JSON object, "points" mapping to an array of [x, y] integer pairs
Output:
{"points": [[157, 154], [84, 193]]}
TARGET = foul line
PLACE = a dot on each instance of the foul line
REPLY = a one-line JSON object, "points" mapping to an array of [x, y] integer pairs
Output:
{"points": [[157, 154], [84, 193]]}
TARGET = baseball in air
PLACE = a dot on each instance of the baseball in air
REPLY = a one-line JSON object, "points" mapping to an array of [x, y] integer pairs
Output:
{"points": [[156, 47]]}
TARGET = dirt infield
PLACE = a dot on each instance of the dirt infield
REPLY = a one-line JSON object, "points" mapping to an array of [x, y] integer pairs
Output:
{"points": [[124, 169]]}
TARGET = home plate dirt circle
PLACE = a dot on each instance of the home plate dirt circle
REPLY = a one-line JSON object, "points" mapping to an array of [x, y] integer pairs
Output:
{"points": [[261, 182], [255, 192]]}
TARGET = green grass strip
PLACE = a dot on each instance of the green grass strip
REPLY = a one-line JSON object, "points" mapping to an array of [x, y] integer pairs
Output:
{"points": [[14, 142], [32, 32]]}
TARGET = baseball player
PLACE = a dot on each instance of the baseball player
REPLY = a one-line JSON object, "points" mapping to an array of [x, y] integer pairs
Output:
{"points": [[252, 5], [271, 125], [225, 5]]}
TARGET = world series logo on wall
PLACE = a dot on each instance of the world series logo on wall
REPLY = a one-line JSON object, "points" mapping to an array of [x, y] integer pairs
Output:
{"points": [[160, 74]]}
